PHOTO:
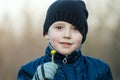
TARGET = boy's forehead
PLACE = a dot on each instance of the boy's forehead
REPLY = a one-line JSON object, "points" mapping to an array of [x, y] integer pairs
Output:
{"points": [[62, 23]]}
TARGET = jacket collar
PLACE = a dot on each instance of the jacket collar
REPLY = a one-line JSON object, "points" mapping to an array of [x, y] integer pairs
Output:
{"points": [[62, 59]]}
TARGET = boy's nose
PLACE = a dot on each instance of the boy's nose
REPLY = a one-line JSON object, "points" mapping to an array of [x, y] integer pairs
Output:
{"points": [[67, 34]]}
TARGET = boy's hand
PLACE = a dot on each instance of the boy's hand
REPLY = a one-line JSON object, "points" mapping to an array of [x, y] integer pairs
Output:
{"points": [[46, 71]]}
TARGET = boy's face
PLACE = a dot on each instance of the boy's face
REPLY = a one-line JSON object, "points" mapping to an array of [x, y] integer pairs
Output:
{"points": [[64, 37]]}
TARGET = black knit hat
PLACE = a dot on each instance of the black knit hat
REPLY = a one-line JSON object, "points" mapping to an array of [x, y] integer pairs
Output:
{"points": [[71, 11]]}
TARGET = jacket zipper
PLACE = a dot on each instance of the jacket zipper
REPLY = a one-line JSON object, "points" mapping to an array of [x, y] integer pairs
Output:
{"points": [[65, 59], [75, 72], [64, 62]]}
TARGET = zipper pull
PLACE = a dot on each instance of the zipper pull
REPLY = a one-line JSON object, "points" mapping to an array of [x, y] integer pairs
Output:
{"points": [[65, 59]]}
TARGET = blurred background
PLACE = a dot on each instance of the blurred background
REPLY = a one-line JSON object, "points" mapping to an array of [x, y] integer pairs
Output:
{"points": [[21, 38]]}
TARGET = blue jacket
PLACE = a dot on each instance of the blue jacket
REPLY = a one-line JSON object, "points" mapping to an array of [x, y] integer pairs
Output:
{"points": [[72, 67]]}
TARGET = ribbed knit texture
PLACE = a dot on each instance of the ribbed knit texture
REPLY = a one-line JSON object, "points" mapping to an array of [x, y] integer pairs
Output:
{"points": [[71, 11]]}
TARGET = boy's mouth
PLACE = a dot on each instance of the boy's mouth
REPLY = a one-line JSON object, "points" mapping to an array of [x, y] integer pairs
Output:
{"points": [[65, 44]]}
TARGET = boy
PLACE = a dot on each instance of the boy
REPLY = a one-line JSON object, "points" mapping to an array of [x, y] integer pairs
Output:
{"points": [[65, 28]]}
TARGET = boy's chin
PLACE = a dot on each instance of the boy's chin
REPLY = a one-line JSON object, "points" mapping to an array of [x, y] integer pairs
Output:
{"points": [[65, 53]]}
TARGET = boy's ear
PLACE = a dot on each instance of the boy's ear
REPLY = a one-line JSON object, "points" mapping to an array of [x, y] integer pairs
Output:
{"points": [[46, 36]]}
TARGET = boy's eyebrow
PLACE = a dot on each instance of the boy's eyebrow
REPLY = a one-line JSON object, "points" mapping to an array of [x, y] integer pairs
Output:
{"points": [[62, 23], [59, 23]]}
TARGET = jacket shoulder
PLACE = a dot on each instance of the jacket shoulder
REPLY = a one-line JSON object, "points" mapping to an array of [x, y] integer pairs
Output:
{"points": [[96, 62], [98, 68], [27, 70]]}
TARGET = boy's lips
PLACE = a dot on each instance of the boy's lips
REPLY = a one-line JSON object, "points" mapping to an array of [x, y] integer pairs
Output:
{"points": [[65, 44]]}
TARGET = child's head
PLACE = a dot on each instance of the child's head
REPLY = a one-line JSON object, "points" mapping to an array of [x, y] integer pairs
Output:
{"points": [[64, 37], [72, 12]]}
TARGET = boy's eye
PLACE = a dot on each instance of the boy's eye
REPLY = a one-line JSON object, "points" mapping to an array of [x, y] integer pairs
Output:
{"points": [[59, 27], [75, 28]]}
